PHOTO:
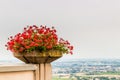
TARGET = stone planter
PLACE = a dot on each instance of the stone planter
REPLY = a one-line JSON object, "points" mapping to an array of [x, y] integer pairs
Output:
{"points": [[36, 57]]}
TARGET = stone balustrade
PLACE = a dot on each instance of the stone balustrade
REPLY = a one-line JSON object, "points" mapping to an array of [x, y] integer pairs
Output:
{"points": [[41, 71]]}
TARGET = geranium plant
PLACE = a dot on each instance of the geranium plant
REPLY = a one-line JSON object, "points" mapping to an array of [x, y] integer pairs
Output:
{"points": [[38, 38]]}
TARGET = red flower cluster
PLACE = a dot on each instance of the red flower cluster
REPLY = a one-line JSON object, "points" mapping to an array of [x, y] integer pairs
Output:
{"points": [[38, 38]]}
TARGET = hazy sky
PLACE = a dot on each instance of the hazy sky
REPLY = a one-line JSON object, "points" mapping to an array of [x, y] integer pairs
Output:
{"points": [[92, 26]]}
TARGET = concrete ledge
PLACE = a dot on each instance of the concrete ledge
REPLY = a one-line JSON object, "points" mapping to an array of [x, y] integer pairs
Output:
{"points": [[17, 67], [17, 75], [41, 71]]}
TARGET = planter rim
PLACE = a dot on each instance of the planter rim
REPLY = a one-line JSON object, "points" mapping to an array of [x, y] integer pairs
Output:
{"points": [[38, 57]]}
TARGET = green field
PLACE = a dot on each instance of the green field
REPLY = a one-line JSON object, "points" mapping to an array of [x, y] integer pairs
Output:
{"points": [[56, 78], [107, 73]]}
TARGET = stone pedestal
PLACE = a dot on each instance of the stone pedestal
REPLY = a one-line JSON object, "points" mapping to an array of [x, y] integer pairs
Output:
{"points": [[44, 71], [42, 60]]}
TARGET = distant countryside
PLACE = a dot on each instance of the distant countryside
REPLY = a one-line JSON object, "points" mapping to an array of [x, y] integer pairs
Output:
{"points": [[87, 69]]}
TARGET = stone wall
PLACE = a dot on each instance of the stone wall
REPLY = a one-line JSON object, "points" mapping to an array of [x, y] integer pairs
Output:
{"points": [[41, 71]]}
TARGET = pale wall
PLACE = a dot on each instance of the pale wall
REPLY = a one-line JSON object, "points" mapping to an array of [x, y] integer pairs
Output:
{"points": [[18, 72], [41, 71], [21, 75]]}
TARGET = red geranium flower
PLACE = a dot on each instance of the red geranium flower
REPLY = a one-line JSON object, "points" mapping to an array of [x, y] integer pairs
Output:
{"points": [[38, 38]]}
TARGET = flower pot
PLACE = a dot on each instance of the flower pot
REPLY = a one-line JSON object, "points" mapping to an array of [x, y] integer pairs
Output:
{"points": [[36, 57]]}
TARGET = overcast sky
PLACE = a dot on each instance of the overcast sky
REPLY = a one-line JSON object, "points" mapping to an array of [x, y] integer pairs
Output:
{"points": [[92, 26]]}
